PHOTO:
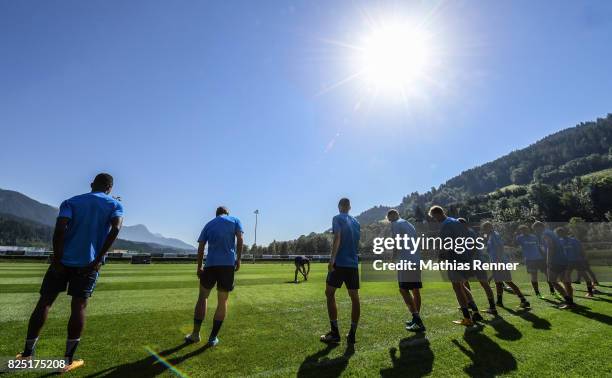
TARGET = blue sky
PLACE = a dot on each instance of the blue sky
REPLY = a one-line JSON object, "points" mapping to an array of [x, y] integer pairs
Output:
{"points": [[194, 104]]}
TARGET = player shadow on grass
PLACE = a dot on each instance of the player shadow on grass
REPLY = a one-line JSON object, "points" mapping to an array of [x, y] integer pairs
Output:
{"points": [[318, 365], [488, 358], [505, 330], [586, 312], [150, 366], [536, 321], [415, 358]]}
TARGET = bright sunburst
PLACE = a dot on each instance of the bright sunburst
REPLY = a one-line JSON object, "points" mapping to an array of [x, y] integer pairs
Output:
{"points": [[393, 57]]}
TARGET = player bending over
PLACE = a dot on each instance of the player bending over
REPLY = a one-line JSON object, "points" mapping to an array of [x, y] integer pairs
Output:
{"points": [[576, 259], [495, 249], [343, 268], [224, 237], [86, 227], [534, 260], [302, 265], [410, 283], [556, 263], [481, 275], [452, 228]]}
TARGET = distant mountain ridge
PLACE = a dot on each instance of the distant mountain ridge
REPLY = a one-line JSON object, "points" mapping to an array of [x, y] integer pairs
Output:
{"points": [[554, 159], [21, 206]]}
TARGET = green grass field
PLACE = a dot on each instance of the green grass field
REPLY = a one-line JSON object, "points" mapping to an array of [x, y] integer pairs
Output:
{"points": [[273, 327]]}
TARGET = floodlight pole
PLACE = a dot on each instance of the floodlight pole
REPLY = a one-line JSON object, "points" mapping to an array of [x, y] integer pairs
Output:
{"points": [[256, 212]]}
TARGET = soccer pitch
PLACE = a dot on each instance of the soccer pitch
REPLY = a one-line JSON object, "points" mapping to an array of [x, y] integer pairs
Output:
{"points": [[139, 314]]}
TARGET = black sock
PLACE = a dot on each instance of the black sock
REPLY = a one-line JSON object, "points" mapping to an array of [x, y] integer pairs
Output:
{"points": [[569, 300], [590, 288], [551, 287], [522, 298], [71, 345], [215, 329], [28, 349], [472, 306], [500, 297], [334, 326], [491, 302], [465, 312], [353, 328]]}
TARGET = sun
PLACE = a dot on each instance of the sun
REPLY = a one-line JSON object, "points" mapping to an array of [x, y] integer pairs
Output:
{"points": [[394, 56]]}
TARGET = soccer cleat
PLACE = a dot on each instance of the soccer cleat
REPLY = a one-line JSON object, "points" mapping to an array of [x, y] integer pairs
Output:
{"points": [[20, 356], [191, 338], [330, 338], [476, 317], [350, 338], [409, 322], [564, 306], [491, 311], [464, 322], [75, 364], [213, 342], [415, 327], [589, 295], [524, 305]]}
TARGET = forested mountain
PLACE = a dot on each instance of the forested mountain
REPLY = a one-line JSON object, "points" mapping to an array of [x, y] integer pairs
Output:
{"points": [[565, 176], [556, 159]]}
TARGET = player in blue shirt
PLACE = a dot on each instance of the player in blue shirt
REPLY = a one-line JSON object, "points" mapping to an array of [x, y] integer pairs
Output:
{"points": [[556, 262], [534, 260], [86, 227], [495, 249], [223, 235], [343, 268], [301, 264], [451, 228], [410, 284], [481, 275], [576, 259]]}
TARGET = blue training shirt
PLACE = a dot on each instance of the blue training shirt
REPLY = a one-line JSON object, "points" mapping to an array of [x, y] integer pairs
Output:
{"points": [[350, 231], [572, 248], [554, 248], [530, 245], [452, 228], [90, 217], [220, 234], [403, 227], [495, 247]]}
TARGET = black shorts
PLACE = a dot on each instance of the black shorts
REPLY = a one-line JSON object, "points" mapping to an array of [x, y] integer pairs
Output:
{"points": [[340, 275], [80, 282], [577, 265], [410, 285], [534, 265], [479, 274], [557, 272], [409, 279], [222, 276], [459, 275]]}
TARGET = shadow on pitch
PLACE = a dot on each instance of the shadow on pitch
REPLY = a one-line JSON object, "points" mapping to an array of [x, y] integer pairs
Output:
{"points": [[536, 321], [505, 330], [318, 365], [587, 313], [415, 358], [488, 358], [150, 366]]}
